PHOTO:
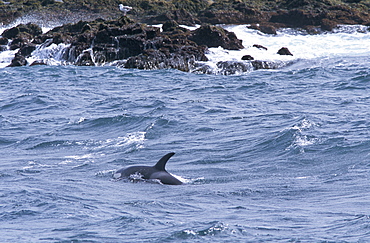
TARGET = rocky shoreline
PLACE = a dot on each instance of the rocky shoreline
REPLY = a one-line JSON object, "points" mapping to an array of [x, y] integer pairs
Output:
{"points": [[131, 43]]}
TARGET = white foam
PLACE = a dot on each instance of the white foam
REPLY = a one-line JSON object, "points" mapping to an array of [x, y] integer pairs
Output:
{"points": [[6, 57], [79, 157], [344, 41], [51, 55], [137, 138]]}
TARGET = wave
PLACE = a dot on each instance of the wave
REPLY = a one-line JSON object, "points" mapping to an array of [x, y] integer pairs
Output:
{"points": [[131, 141], [296, 138]]}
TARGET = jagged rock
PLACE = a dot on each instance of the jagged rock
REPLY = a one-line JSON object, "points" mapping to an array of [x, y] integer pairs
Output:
{"points": [[130, 45], [170, 25], [180, 16], [27, 49], [284, 51], [3, 41], [247, 58], [173, 56], [85, 59], [31, 29], [260, 47], [18, 43], [214, 36], [11, 33], [152, 32], [18, 61], [71, 28]]}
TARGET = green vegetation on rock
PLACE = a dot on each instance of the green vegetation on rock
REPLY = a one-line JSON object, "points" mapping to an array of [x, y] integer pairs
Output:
{"points": [[64, 11]]}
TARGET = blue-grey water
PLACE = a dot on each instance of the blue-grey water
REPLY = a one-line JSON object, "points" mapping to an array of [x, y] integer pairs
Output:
{"points": [[267, 156]]}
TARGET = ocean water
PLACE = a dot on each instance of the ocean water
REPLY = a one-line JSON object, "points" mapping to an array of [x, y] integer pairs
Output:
{"points": [[266, 156]]}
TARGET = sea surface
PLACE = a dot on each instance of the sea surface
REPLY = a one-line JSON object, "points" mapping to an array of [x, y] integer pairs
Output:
{"points": [[277, 155]]}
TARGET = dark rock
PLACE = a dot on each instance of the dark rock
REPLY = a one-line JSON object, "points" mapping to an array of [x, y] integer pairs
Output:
{"points": [[177, 56], [170, 25], [264, 28], [3, 41], [11, 33], [296, 18], [18, 43], [242, 15], [3, 48], [103, 36], [18, 61], [267, 29], [294, 4], [122, 21], [247, 57], [159, 60], [152, 32], [284, 51], [214, 36], [85, 59], [130, 45], [260, 47], [27, 49], [180, 16], [251, 15], [86, 27], [344, 15], [221, 16], [31, 29], [328, 25], [38, 63], [106, 34], [75, 28]]}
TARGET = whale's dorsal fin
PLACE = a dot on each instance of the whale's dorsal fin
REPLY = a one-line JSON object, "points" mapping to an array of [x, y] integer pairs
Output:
{"points": [[160, 165]]}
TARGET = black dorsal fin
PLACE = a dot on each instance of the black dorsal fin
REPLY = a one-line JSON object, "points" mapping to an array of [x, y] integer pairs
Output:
{"points": [[160, 165]]}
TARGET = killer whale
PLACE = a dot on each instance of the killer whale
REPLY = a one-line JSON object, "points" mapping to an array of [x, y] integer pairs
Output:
{"points": [[157, 171]]}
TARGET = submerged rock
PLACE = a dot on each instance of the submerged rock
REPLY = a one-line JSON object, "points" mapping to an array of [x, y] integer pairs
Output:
{"points": [[247, 58], [264, 28], [260, 47], [284, 51], [38, 63]]}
